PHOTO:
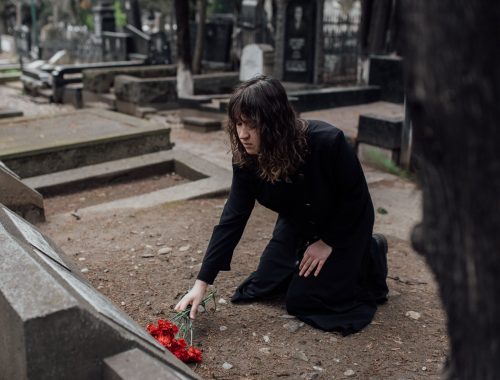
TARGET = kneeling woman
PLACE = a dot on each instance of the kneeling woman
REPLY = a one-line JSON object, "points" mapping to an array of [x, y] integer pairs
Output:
{"points": [[322, 252]]}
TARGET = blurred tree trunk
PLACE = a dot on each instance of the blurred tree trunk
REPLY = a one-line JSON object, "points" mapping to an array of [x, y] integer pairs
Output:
{"points": [[453, 74], [200, 35], [184, 76]]}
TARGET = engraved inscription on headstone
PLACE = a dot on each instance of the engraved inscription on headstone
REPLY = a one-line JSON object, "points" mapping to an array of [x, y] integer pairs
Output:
{"points": [[34, 237], [103, 305], [299, 41]]}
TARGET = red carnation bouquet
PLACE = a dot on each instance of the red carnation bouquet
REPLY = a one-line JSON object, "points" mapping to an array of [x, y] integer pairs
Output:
{"points": [[173, 337]]}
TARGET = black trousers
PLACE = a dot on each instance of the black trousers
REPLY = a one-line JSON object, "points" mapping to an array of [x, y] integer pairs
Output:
{"points": [[341, 298]]}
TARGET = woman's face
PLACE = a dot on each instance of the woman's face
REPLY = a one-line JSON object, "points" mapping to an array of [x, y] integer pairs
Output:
{"points": [[249, 135]]}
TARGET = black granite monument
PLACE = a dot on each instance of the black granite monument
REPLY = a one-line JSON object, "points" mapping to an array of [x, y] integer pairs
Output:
{"points": [[300, 29]]}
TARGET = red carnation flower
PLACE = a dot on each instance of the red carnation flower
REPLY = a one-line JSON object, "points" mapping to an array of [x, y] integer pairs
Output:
{"points": [[165, 334]]}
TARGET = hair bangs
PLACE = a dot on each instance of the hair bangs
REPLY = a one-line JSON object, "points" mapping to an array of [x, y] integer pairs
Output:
{"points": [[247, 105]]}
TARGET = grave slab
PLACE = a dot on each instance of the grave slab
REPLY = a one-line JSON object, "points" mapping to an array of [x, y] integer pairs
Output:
{"points": [[19, 197], [201, 124], [331, 97], [135, 364], [36, 146], [6, 113], [206, 179], [53, 323]]}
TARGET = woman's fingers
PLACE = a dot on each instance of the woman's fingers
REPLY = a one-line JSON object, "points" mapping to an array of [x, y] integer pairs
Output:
{"points": [[184, 302], [311, 267], [306, 261], [194, 309], [318, 268]]}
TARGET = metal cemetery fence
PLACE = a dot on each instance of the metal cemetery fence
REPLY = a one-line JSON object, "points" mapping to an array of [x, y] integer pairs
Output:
{"points": [[341, 49]]}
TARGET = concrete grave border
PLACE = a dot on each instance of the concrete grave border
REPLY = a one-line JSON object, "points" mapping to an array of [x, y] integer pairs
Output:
{"points": [[55, 325], [207, 179], [19, 197]]}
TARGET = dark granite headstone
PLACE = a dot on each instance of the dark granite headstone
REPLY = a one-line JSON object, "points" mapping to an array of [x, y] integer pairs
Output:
{"points": [[217, 44], [387, 72], [299, 41], [218, 41]]}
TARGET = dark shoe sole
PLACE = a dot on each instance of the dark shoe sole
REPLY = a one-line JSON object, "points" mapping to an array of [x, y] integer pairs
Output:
{"points": [[382, 247], [381, 242]]}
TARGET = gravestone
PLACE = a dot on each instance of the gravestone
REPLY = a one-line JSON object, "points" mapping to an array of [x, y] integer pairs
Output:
{"points": [[381, 131], [218, 40], [115, 46], [387, 72], [19, 197], [53, 323], [22, 40], [256, 60], [6, 112], [159, 49], [300, 29]]}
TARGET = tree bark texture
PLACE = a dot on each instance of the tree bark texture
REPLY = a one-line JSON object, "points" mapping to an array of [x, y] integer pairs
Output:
{"points": [[183, 42], [378, 30], [184, 77], [452, 67], [200, 36]]}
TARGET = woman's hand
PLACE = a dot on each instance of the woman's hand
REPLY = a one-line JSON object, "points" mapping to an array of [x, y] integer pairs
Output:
{"points": [[314, 257], [193, 297]]}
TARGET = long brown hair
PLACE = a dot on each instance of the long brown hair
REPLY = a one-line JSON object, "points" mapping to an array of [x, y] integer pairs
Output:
{"points": [[283, 145]]}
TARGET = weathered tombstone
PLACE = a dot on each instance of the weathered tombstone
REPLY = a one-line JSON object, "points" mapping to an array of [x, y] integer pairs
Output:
{"points": [[256, 60], [19, 197], [300, 30], [55, 325], [22, 39]]}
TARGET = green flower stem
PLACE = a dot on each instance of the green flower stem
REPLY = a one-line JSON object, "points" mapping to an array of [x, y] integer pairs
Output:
{"points": [[183, 321]]}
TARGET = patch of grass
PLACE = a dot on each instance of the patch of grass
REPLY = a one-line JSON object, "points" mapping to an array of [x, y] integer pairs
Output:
{"points": [[383, 163], [10, 72]]}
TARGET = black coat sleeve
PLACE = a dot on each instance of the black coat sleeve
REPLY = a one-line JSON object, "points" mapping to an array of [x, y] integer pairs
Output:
{"points": [[352, 216], [227, 233]]}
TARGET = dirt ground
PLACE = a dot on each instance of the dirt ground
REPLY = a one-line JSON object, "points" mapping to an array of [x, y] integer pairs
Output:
{"points": [[118, 253]]}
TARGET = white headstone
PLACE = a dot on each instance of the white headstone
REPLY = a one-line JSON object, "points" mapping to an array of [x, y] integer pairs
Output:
{"points": [[256, 59]]}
